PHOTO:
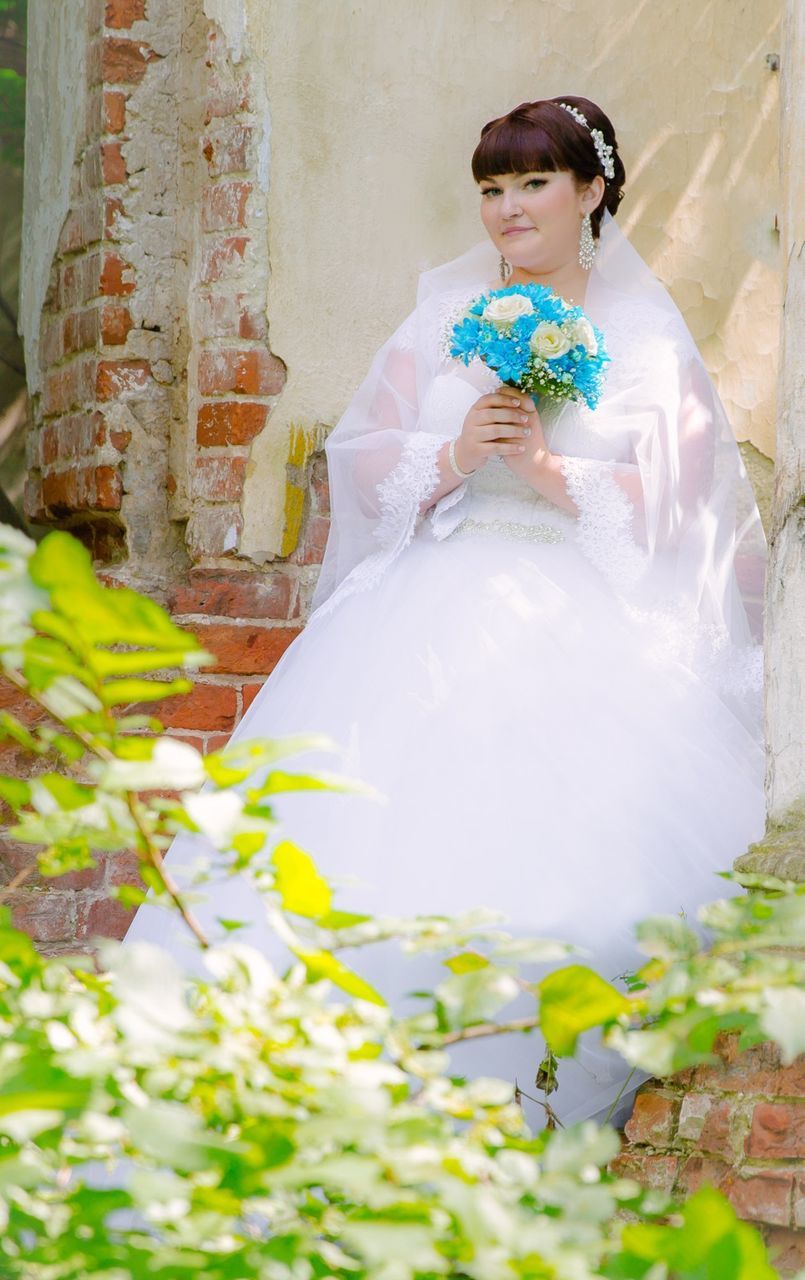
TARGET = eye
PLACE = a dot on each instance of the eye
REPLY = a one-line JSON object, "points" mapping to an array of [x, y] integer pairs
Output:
{"points": [[488, 191]]}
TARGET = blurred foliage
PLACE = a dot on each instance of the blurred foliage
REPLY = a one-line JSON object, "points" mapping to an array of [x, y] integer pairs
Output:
{"points": [[13, 18], [248, 1123]]}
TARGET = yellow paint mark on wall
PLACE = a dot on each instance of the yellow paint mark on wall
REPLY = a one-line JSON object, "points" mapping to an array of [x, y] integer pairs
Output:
{"points": [[302, 443], [294, 504]]}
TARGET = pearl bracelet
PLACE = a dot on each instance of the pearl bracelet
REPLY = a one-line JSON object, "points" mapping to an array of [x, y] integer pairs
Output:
{"points": [[451, 454]]}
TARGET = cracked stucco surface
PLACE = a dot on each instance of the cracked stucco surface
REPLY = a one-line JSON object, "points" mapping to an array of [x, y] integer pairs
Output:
{"points": [[374, 111]]}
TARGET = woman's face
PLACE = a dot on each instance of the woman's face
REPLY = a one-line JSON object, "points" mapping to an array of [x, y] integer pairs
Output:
{"points": [[548, 205]]}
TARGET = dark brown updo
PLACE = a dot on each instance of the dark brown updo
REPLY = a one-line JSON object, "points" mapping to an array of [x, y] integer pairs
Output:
{"points": [[541, 135]]}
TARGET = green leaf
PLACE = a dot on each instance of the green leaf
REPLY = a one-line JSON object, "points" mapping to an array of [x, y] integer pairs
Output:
{"points": [[119, 691], [322, 964], [278, 780], [783, 1020], [16, 949], [246, 844], [236, 763], [107, 663], [13, 729], [60, 1093], [70, 700], [126, 724], [231, 925], [102, 615], [15, 792], [67, 794], [68, 855], [666, 937], [70, 748], [45, 658], [711, 1244], [302, 890], [573, 1000], [172, 1132], [466, 962], [341, 919], [129, 895], [476, 994]]}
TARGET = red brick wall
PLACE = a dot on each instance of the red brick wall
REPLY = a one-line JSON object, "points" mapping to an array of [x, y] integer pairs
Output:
{"points": [[235, 375], [76, 451], [739, 1125], [156, 378]]}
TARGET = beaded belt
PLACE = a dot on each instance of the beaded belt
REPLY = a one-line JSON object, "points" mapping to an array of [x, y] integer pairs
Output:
{"points": [[512, 529]]}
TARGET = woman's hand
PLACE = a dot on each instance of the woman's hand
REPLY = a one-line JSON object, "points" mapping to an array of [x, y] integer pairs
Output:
{"points": [[496, 424], [537, 451]]}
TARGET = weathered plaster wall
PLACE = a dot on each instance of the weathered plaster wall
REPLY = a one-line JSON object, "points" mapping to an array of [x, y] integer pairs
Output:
{"points": [[375, 109], [56, 128], [785, 650]]}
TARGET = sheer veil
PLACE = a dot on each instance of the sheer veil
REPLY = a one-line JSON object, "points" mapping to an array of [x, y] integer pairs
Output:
{"points": [[665, 523], [667, 512]]}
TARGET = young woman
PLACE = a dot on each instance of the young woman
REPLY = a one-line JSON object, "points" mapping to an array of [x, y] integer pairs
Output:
{"points": [[530, 631]]}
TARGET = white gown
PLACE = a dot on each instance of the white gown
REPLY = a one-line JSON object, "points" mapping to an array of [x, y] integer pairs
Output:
{"points": [[538, 759]]}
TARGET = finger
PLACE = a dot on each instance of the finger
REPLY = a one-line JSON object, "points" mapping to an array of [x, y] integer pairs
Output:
{"points": [[504, 433], [497, 398], [504, 415], [502, 446], [514, 395]]}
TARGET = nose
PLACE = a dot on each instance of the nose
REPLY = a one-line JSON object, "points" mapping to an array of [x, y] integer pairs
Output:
{"points": [[511, 206]]}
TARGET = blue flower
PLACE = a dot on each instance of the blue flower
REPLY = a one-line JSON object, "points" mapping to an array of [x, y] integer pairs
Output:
{"points": [[506, 349]]}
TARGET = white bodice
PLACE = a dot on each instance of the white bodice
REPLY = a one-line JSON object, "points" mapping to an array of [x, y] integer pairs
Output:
{"points": [[495, 496]]}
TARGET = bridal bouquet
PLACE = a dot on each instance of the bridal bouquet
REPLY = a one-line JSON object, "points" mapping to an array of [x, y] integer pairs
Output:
{"points": [[535, 341]]}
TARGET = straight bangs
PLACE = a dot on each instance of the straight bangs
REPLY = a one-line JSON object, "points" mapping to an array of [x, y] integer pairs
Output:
{"points": [[516, 146]]}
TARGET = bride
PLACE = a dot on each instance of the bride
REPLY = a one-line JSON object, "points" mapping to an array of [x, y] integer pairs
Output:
{"points": [[536, 630]]}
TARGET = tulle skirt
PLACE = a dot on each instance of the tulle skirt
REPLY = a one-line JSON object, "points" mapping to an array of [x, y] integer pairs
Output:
{"points": [[534, 758]]}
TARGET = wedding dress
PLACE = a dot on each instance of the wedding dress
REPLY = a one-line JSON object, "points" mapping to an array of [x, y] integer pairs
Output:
{"points": [[562, 709]]}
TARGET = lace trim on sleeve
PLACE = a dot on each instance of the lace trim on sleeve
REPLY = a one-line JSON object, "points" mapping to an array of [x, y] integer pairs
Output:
{"points": [[604, 524], [402, 491], [441, 523]]}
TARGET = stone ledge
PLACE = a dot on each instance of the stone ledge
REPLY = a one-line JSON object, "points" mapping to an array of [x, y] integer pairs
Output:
{"points": [[781, 852]]}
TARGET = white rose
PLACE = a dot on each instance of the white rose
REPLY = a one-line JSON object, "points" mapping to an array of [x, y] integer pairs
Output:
{"points": [[549, 341], [508, 308], [583, 333]]}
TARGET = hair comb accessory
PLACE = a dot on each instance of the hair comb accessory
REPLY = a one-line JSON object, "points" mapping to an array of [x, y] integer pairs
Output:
{"points": [[603, 149]]}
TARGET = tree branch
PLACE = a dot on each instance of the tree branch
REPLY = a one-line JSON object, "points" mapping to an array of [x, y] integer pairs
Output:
{"points": [[489, 1029]]}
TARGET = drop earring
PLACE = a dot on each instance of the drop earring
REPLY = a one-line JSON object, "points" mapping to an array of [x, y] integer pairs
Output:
{"points": [[505, 269], [587, 247]]}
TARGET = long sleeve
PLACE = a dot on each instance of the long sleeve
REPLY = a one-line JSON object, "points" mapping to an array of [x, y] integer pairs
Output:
{"points": [[383, 464], [675, 529], [610, 516], [646, 508]]}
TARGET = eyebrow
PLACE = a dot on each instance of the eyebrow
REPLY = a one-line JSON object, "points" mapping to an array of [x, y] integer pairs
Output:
{"points": [[527, 173]]}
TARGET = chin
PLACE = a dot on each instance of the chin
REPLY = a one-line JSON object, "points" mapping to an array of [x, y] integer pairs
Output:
{"points": [[533, 268]]}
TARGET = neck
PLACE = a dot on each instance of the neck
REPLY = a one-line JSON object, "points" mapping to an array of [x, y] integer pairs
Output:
{"points": [[568, 280]]}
